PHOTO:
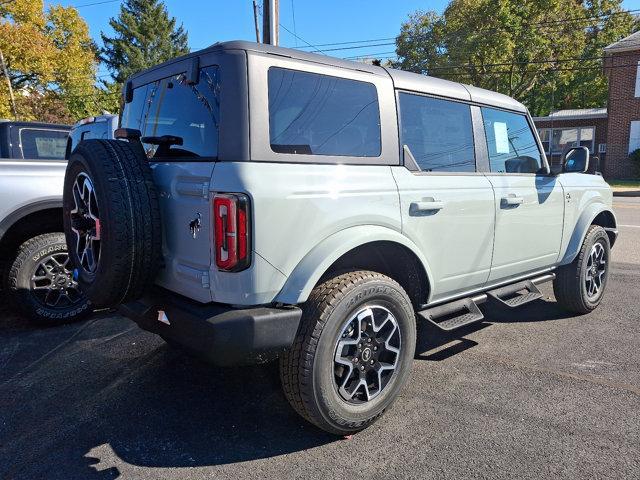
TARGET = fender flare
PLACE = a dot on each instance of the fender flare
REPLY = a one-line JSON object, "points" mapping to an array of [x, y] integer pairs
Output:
{"points": [[580, 230], [310, 269], [19, 213]]}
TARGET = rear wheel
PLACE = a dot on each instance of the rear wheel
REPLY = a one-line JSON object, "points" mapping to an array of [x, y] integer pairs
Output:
{"points": [[40, 284], [353, 352], [579, 286]]}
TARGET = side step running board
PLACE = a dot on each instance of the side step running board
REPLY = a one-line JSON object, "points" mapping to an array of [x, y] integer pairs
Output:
{"points": [[454, 315], [459, 313], [515, 295]]}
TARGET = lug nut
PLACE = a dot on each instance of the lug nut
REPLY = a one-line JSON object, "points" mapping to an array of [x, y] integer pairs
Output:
{"points": [[368, 340], [362, 367], [371, 362], [355, 360], [375, 348]]}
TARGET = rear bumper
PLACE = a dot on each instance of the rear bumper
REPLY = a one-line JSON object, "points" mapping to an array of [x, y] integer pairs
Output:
{"points": [[218, 333]]}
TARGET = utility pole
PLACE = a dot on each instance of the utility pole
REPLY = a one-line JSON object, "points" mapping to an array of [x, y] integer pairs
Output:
{"points": [[270, 21], [255, 20], [6, 74]]}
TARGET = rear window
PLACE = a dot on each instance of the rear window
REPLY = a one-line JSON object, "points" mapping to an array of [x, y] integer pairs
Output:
{"points": [[177, 119], [316, 114], [43, 144]]}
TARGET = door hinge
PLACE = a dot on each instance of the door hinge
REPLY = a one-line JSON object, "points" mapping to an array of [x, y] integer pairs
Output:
{"points": [[205, 280]]}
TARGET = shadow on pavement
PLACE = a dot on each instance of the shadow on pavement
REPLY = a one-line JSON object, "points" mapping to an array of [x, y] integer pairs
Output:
{"points": [[116, 394], [436, 345], [78, 400]]}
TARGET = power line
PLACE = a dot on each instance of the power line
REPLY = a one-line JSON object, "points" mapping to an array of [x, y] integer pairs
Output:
{"points": [[548, 22], [94, 3], [293, 16]]}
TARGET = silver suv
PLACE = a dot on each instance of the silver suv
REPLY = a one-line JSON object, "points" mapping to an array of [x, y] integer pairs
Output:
{"points": [[261, 202]]}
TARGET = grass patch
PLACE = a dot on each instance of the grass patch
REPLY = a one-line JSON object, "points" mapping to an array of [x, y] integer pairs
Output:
{"points": [[625, 183]]}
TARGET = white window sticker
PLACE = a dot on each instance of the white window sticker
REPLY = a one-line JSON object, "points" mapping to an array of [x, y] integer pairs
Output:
{"points": [[502, 138]]}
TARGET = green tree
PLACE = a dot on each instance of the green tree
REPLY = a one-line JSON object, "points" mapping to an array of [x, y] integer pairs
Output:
{"points": [[540, 52], [51, 60], [144, 35], [587, 87]]}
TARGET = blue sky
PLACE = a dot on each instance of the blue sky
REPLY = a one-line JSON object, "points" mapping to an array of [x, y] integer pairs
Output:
{"points": [[317, 22]]}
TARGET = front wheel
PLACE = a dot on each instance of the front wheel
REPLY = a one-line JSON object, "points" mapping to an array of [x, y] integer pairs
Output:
{"points": [[579, 286], [353, 352], [40, 283]]}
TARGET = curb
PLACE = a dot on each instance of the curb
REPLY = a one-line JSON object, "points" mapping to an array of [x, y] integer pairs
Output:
{"points": [[627, 193]]}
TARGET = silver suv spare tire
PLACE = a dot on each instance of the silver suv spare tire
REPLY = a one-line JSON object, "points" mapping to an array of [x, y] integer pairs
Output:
{"points": [[111, 221]]}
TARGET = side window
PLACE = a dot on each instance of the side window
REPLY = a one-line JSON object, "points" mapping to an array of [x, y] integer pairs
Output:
{"points": [[438, 132], [43, 144], [511, 143], [132, 113], [545, 138], [322, 115], [182, 119]]}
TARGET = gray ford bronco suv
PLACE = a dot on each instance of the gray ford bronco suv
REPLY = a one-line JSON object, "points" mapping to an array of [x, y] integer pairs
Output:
{"points": [[260, 202]]}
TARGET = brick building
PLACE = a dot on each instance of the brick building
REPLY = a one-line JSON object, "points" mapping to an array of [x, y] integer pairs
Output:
{"points": [[611, 133], [567, 128], [622, 65]]}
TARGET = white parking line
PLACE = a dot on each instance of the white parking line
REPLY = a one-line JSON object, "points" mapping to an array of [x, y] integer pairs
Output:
{"points": [[630, 226]]}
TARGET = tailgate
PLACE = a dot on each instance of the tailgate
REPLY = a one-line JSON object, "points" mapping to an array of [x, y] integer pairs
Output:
{"points": [[183, 188]]}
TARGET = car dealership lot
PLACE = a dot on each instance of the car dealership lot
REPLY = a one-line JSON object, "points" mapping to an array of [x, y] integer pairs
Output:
{"points": [[528, 393]]}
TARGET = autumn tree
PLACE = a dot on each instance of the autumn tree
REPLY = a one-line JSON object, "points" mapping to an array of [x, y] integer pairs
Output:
{"points": [[144, 35], [545, 53], [51, 61]]}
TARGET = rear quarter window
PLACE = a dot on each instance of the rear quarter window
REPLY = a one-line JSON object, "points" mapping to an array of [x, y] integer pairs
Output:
{"points": [[42, 144], [314, 114]]}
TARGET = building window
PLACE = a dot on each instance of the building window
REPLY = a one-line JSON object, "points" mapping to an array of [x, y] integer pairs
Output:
{"points": [[545, 138], [634, 136], [558, 140], [586, 137], [637, 94]]}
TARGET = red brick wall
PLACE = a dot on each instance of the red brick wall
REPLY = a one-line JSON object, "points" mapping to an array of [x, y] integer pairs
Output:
{"points": [[622, 107], [600, 125]]}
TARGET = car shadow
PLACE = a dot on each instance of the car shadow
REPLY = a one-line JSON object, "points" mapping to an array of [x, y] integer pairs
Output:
{"points": [[116, 394], [434, 344], [113, 394]]}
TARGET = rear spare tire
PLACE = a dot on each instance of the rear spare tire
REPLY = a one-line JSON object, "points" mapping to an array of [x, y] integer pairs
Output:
{"points": [[111, 221]]}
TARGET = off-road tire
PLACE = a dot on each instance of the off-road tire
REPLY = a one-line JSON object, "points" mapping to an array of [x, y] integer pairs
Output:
{"points": [[17, 283], [569, 285], [130, 244], [306, 370]]}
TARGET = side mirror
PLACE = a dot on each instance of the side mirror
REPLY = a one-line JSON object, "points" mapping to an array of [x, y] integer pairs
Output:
{"points": [[576, 160]]}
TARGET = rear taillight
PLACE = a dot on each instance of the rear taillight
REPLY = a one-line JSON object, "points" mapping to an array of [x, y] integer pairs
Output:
{"points": [[231, 231]]}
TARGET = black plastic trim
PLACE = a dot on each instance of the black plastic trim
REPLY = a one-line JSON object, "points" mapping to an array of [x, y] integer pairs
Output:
{"points": [[218, 333]]}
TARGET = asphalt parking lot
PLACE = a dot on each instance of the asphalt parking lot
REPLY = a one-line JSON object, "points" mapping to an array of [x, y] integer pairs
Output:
{"points": [[527, 394]]}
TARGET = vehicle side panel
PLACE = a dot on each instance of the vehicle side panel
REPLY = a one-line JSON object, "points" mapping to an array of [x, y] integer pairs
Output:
{"points": [[586, 196], [296, 206], [457, 240], [27, 186], [527, 236]]}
